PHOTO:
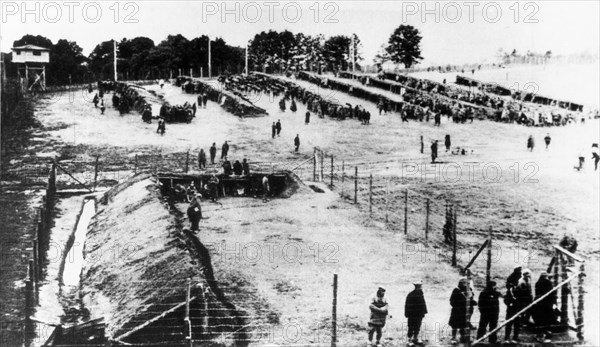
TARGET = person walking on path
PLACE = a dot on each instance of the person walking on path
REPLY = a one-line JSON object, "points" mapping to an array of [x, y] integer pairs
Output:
{"points": [[307, 118], [213, 153], [278, 127], [273, 130], [447, 142], [415, 309], [379, 311], [297, 142], [547, 140], [530, 143], [489, 307]]}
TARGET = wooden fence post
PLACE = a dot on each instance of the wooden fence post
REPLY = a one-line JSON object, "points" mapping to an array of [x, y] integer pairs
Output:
{"points": [[315, 165], [454, 241], [322, 178], [556, 268], [581, 295], [332, 171], [371, 193], [187, 161], [406, 211], [427, 203], [355, 184], [488, 273], [334, 312], [387, 200], [564, 294], [343, 176], [96, 172]]}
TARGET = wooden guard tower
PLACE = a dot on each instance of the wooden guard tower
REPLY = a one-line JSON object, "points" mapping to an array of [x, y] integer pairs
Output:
{"points": [[32, 61]]}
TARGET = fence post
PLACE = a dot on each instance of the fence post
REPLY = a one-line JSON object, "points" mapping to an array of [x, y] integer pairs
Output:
{"points": [[427, 203], [371, 193], [387, 200], [564, 294], [96, 172], [488, 267], [406, 211], [315, 165], [355, 184], [332, 171], [454, 239], [36, 261], [343, 174], [187, 161], [556, 268], [334, 312], [581, 294], [136, 164], [422, 144], [322, 178]]}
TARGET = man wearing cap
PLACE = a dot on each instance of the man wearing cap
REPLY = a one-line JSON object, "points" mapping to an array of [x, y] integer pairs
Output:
{"points": [[379, 312], [514, 277], [458, 315], [489, 307], [415, 309]]}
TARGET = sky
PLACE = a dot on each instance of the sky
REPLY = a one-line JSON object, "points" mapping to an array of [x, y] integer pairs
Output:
{"points": [[454, 32]]}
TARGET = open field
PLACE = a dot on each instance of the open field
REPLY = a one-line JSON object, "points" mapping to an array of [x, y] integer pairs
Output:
{"points": [[526, 197]]}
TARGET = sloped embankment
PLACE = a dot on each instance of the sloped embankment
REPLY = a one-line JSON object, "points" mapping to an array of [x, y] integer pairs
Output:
{"points": [[138, 262]]}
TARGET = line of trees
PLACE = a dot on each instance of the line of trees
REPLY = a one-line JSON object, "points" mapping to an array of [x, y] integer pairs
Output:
{"points": [[269, 51]]}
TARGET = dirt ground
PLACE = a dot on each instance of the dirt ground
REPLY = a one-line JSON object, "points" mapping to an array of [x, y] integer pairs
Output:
{"points": [[542, 200]]}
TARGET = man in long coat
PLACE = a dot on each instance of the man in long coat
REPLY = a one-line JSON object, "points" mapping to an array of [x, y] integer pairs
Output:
{"points": [[194, 212], [458, 315], [415, 309]]}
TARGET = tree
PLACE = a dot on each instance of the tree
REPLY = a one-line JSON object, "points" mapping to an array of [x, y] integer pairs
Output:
{"points": [[66, 60], [37, 40], [272, 49], [101, 60], [404, 46], [336, 51], [133, 57]]}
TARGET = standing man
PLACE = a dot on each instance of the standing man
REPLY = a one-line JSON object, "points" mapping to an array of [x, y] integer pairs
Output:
{"points": [[379, 312], [245, 167], [278, 127], [266, 188], [307, 118], [458, 315], [415, 309], [543, 311], [447, 142], [297, 142], [547, 140], [438, 119], [489, 307], [202, 159], [273, 130], [194, 212], [204, 99], [530, 143], [434, 151], [213, 153], [224, 151], [595, 155]]}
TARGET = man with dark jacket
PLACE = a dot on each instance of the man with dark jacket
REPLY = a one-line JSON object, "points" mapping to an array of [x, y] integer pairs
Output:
{"points": [[434, 151], [224, 151], [245, 167], [297, 142], [213, 153], [415, 309], [379, 312], [273, 130], [194, 212], [489, 307], [237, 168], [516, 299], [543, 311], [458, 315], [278, 127]]}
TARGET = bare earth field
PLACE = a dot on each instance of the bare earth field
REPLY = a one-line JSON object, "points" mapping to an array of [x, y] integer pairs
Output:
{"points": [[530, 199]]}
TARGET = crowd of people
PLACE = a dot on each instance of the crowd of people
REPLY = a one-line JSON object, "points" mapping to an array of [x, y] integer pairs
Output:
{"points": [[520, 294], [291, 92]]}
